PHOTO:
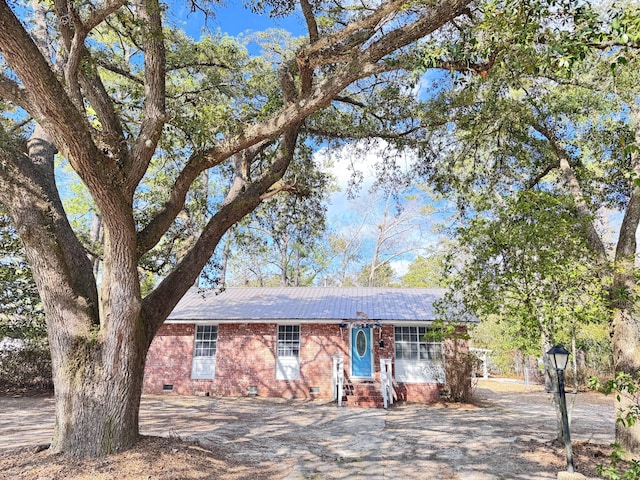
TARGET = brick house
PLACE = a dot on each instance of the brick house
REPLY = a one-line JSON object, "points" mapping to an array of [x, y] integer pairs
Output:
{"points": [[300, 343]]}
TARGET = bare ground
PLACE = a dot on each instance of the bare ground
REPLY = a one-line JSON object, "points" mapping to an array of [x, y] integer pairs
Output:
{"points": [[506, 434]]}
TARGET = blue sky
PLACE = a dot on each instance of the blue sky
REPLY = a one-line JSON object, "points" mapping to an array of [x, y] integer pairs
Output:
{"points": [[234, 19]]}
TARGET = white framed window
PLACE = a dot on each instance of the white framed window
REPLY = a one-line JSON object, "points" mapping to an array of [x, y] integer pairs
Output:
{"points": [[204, 352], [288, 352], [419, 359]]}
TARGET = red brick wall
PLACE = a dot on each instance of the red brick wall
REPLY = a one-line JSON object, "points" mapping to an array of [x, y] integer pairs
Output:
{"points": [[319, 345], [169, 360], [418, 392], [246, 357]]}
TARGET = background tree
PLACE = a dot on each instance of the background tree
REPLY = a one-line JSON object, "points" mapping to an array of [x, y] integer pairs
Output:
{"points": [[568, 124], [346, 245], [382, 276], [395, 235], [425, 272], [21, 314], [528, 266], [25, 362]]}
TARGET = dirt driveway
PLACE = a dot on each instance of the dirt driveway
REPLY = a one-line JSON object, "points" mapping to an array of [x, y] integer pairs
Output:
{"points": [[500, 438]]}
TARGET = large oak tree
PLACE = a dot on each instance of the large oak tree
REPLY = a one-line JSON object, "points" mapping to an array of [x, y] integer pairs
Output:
{"points": [[574, 130], [105, 84]]}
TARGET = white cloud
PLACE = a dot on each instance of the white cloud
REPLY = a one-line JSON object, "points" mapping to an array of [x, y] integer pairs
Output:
{"points": [[355, 168]]}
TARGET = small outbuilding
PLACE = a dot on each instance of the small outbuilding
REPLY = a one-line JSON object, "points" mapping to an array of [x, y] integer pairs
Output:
{"points": [[364, 346]]}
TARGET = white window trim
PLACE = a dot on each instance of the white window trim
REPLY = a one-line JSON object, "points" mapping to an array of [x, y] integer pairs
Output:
{"points": [[288, 366], [203, 367], [418, 371]]}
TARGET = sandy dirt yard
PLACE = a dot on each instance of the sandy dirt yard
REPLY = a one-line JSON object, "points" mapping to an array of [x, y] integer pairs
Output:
{"points": [[506, 434]]}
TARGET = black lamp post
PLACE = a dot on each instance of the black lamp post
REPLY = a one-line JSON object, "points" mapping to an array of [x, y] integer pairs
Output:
{"points": [[560, 356]]}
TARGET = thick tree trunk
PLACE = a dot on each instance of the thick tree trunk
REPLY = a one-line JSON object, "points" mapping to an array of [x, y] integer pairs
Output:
{"points": [[97, 366], [625, 340], [626, 347], [624, 322], [625, 326], [97, 391]]}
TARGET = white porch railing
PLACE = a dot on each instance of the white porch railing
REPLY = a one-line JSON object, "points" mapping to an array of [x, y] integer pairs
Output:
{"points": [[386, 381], [338, 378]]}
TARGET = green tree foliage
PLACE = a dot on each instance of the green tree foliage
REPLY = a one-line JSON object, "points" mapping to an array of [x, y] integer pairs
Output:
{"points": [[529, 265], [557, 112], [25, 361], [425, 272], [21, 314]]}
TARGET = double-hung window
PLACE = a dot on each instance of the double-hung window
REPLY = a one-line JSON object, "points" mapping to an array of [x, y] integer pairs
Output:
{"points": [[288, 352], [419, 357], [204, 352]]}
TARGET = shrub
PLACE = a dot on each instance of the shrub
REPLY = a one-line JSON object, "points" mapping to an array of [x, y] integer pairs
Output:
{"points": [[25, 368], [459, 367]]}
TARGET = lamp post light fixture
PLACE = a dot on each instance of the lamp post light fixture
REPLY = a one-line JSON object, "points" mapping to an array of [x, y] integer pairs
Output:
{"points": [[560, 356]]}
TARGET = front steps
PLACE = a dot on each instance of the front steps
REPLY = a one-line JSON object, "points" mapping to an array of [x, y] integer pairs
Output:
{"points": [[364, 394]]}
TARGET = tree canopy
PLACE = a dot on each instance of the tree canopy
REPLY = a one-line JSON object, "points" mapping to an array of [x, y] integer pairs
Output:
{"points": [[564, 125]]}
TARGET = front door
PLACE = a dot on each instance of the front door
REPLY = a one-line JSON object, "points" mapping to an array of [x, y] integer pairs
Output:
{"points": [[361, 359]]}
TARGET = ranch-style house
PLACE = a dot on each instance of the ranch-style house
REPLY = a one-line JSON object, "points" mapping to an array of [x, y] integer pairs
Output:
{"points": [[359, 346]]}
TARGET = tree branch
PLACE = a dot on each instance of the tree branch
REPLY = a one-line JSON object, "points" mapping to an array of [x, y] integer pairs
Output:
{"points": [[538, 178], [312, 26], [97, 16], [117, 70], [56, 112], [593, 238], [385, 135], [304, 65], [112, 131], [360, 66], [154, 117], [386, 11], [159, 303], [16, 94]]}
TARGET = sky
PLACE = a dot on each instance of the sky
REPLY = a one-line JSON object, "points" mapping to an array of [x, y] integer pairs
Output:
{"points": [[232, 18]]}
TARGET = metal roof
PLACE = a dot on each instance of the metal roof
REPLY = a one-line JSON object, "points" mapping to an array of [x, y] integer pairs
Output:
{"points": [[308, 303]]}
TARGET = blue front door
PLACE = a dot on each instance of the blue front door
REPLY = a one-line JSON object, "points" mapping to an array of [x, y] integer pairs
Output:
{"points": [[361, 365]]}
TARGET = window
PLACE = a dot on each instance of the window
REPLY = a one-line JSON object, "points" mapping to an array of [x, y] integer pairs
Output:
{"points": [[419, 359], [204, 352], [411, 344], [288, 340], [206, 340], [288, 352]]}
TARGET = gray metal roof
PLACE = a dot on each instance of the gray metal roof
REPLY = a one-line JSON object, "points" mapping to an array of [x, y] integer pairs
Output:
{"points": [[308, 303]]}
